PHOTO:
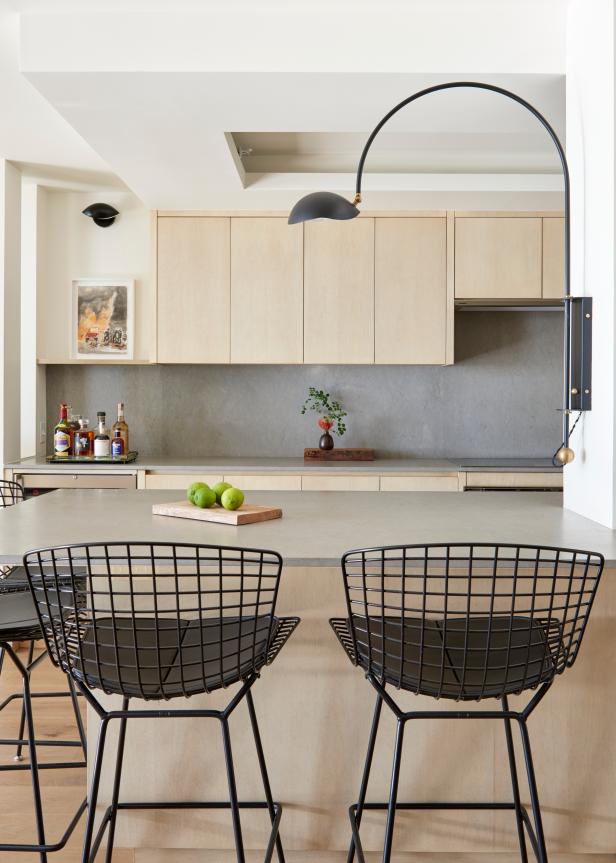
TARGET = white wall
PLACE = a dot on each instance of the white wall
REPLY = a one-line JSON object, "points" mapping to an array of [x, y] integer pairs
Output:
{"points": [[590, 479], [71, 246], [10, 291]]}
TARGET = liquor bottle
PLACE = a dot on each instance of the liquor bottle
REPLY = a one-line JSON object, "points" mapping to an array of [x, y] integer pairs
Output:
{"points": [[117, 444], [83, 440], [62, 435], [102, 443], [122, 427]]}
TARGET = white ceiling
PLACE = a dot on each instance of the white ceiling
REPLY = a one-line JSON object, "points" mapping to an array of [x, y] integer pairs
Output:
{"points": [[150, 92]]}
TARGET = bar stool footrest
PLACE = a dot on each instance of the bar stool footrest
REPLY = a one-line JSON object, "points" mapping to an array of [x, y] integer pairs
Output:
{"points": [[192, 804], [446, 805], [49, 848]]}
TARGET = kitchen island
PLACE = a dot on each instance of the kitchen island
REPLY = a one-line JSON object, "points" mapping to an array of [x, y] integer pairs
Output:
{"points": [[315, 708]]}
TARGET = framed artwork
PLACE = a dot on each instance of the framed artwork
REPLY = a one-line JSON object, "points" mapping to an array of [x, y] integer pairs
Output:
{"points": [[103, 321]]}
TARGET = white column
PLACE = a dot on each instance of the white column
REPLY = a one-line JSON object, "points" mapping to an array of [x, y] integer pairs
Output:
{"points": [[590, 481], [10, 302]]}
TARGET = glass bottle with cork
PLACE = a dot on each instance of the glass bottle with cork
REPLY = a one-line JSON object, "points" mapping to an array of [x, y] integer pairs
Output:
{"points": [[83, 440], [122, 427], [62, 435], [102, 441]]}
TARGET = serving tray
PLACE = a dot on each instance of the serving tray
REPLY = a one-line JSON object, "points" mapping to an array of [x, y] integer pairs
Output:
{"points": [[79, 459]]}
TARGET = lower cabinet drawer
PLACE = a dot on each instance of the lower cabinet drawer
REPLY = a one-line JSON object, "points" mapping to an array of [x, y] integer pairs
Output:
{"points": [[419, 483], [266, 482], [178, 480], [492, 479], [340, 483], [78, 480]]}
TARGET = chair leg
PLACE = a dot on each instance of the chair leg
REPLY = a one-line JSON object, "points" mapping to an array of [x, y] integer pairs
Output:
{"points": [[515, 784], [116, 784], [93, 796], [363, 788], [235, 810], [534, 795], [22, 721], [263, 768], [77, 712], [34, 771], [393, 793]]}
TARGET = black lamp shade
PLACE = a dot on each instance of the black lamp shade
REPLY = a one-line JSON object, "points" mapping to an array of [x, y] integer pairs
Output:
{"points": [[322, 205], [101, 214]]}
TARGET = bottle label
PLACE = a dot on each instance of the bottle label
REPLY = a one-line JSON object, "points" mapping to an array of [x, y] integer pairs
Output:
{"points": [[61, 443], [82, 444], [117, 447], [101, 447]]}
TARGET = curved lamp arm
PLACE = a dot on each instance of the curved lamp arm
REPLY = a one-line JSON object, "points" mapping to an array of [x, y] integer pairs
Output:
{"points": [[328, 205]]}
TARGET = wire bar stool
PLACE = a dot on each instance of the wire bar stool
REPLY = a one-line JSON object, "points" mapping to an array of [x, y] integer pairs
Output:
{"points": [[19, 622], [162, 621], [466, 623]]}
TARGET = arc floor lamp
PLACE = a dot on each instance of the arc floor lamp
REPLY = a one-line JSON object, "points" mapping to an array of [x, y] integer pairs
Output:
{"points": [[577, 328]]}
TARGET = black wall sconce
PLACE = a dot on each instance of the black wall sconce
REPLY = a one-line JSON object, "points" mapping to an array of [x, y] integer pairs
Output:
{"points": [[102, 215], [577, 329]]}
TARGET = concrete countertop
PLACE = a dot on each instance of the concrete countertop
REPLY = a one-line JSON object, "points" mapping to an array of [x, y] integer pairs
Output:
{"points": [[296, 465], [316, 527]]}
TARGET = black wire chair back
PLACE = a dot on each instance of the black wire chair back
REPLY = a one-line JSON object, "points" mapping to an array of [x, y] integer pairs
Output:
{"points": [[10, 493], [12, 579], [466, 621], [158, 620]]}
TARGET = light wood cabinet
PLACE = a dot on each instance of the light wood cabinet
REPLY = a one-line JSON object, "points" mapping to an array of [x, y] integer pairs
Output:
{"points": [[178, 480], [339, 291], [193, 290], [410, 265], [553, 258], [420, 483], [498, 258], [265, 482], [340, 482], [266, 291]]}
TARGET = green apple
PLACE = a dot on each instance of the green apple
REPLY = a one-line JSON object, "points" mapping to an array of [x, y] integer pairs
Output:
{"points": [[204, 498], [232, 498], [219, 489], [190, 493]]}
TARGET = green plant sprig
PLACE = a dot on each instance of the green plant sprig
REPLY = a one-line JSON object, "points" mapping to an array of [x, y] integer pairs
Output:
{"points": [[319, 401]]}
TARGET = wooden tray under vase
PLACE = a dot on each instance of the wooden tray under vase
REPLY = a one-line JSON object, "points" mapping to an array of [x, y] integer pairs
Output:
{"points": [[338, 454]]}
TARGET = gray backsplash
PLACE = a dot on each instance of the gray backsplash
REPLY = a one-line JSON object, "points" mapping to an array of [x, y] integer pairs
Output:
{"points": [[499, 399]]}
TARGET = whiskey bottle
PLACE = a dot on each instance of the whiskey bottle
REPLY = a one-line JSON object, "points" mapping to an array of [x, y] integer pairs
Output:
{"points": [[102, 442], [62, 434], [83, 440], [122, 427], [117, 444]]}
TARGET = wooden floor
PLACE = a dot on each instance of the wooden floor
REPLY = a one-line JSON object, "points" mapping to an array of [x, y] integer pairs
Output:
{"points": [[63, 790]]}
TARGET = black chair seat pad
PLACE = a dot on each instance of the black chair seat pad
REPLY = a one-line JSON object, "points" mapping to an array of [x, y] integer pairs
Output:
{"points": [[462, 658], [18, 619], [151, 658]]}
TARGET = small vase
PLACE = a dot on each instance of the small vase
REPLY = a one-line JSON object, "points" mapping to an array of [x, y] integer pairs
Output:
{"points": [[326, 441]]}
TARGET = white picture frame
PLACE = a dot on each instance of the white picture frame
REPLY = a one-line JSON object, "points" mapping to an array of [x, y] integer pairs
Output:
{"points": [[103, 319]]}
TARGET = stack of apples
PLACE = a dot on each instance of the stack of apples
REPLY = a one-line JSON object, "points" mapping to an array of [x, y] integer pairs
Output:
{"points": [[222, 494]]}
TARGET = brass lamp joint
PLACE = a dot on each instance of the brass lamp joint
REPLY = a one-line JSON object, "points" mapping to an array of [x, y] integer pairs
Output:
{"points": [[357, 199]]}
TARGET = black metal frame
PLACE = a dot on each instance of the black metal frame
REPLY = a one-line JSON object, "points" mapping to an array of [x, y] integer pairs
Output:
{"points": [[12, 493], [41, 846], [463, 621], [157, 620]]}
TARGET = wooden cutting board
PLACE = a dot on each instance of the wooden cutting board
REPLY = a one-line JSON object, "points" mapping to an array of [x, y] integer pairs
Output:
{"points": [[246, 514]]}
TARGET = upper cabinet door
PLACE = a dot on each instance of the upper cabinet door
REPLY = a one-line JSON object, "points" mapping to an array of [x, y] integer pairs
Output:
{"points": [[339, 291], [193, 289], [498, 258], [267, 272], [411, 290], [553, 258]]}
